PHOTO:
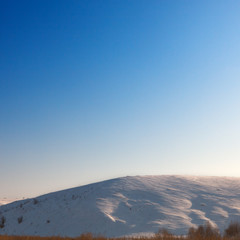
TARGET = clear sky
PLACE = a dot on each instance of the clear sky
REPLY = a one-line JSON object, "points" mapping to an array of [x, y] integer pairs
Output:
{"points": [[92, 90]]}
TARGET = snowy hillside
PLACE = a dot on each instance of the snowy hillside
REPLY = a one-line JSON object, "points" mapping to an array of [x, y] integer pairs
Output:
{"points": [[127, 206]]}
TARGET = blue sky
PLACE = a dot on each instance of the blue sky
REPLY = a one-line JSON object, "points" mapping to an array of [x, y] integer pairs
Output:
{"points": [[91, 90]]}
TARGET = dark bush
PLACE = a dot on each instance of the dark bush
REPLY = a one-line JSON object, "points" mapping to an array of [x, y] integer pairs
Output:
{"points": [[2, 222], [20, 219], [206, 231], [233, 230]]}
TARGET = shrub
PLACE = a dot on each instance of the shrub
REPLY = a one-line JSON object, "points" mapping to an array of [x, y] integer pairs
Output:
{"points": [[206, 231], [86, 236], [2, 222], [163, 234], [20, 219], [233, 230]]}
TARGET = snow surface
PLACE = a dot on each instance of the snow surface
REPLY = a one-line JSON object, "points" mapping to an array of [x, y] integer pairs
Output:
{"points": [[127, 206]]}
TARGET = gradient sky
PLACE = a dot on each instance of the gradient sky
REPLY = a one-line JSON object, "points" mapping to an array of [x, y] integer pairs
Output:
{"points": [[92, 90]]}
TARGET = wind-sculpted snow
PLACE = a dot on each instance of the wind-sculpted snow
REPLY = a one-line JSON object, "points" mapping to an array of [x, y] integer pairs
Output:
{"points": [[127, 206]]}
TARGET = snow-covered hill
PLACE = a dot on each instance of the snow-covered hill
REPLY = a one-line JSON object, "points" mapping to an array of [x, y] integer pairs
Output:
{"points": [[127, 206]]}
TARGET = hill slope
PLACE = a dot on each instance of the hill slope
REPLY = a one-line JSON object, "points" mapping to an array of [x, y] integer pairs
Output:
{"points": [[127, 206]]}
